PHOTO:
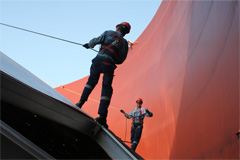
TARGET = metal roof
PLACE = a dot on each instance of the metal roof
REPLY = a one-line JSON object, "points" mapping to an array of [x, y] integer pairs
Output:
{"points": [[26, 93]]}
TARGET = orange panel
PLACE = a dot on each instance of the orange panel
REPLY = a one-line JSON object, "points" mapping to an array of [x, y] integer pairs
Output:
{"points": [[185, 67]]}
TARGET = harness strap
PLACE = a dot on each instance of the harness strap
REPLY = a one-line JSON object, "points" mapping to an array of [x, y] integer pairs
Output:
{"points": [[140, 117], [111, 45]]}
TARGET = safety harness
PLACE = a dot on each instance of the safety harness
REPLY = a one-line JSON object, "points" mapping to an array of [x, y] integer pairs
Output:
{"points": [[139, 118], [113, 48]]}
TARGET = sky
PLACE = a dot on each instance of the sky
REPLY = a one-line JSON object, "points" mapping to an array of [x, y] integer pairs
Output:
{"points": [[57, 62]]}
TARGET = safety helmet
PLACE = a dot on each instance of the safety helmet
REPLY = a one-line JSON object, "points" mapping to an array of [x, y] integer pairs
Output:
{"points": [[126, 24], [139, 100]]}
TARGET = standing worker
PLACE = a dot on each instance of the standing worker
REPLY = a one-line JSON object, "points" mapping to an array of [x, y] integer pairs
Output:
{"points": [[138, 115], [114, 49]]}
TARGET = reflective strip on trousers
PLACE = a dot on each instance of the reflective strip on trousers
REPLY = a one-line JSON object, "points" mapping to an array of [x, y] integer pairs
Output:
{"points": [[105, 98], [88, 86]]}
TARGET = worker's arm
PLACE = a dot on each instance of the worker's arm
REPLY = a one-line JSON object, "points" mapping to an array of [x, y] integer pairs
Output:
{"points": [[98, 40], [123, 52], [148, 113], [127, 115]]}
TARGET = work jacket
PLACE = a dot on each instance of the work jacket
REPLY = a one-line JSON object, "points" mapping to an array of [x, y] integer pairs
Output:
{"points": [[138, 115], [113, 49]]}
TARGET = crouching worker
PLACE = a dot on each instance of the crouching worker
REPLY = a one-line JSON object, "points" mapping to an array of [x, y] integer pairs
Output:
{"points": [[137, 115]]}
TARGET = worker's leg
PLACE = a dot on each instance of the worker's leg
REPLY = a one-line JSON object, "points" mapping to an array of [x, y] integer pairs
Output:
{"points": [[106, 94], [91, 83], [107, 89], [137, 137], [132, 133]]}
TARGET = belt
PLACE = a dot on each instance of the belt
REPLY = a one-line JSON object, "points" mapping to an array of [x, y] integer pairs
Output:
{"points": [[105, 56], [134, 123]]}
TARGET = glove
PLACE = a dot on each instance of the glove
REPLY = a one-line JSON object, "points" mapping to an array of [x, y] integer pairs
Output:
{"points": [[147, 111], [122, 111], [86, 46], [130, 44]]}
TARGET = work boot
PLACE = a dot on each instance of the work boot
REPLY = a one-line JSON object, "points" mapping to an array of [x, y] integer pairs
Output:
{"points": [[102, 120], [80, 104], [134, 146]]}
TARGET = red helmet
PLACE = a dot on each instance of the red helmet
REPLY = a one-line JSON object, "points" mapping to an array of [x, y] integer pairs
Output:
{"points": [[125, 24], [139, 100]]}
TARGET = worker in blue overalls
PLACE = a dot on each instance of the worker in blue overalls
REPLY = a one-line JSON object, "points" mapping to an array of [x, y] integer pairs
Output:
{"points": [[137, 115], [114, 49]]}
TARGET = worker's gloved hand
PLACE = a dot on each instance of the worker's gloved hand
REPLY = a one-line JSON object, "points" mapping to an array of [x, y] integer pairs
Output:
{"points": [[86, 46], [130, 44], [122, 111], [147, 111]]}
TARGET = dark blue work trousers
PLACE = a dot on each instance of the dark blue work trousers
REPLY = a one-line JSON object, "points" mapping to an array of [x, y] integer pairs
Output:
{"points": [[108, 73], [136, 132]]}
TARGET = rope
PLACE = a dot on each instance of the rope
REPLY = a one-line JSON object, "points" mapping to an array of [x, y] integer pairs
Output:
{"points": [[63, 87], [126, 142], [45, 35], [88, 98], [125, 130]]}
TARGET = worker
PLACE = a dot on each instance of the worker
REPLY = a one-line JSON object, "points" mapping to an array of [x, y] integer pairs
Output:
{"points": [[113, 50], [137, 116]]}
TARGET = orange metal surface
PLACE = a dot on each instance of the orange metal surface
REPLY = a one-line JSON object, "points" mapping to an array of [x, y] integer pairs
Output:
{"points": [[185, 67]]}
